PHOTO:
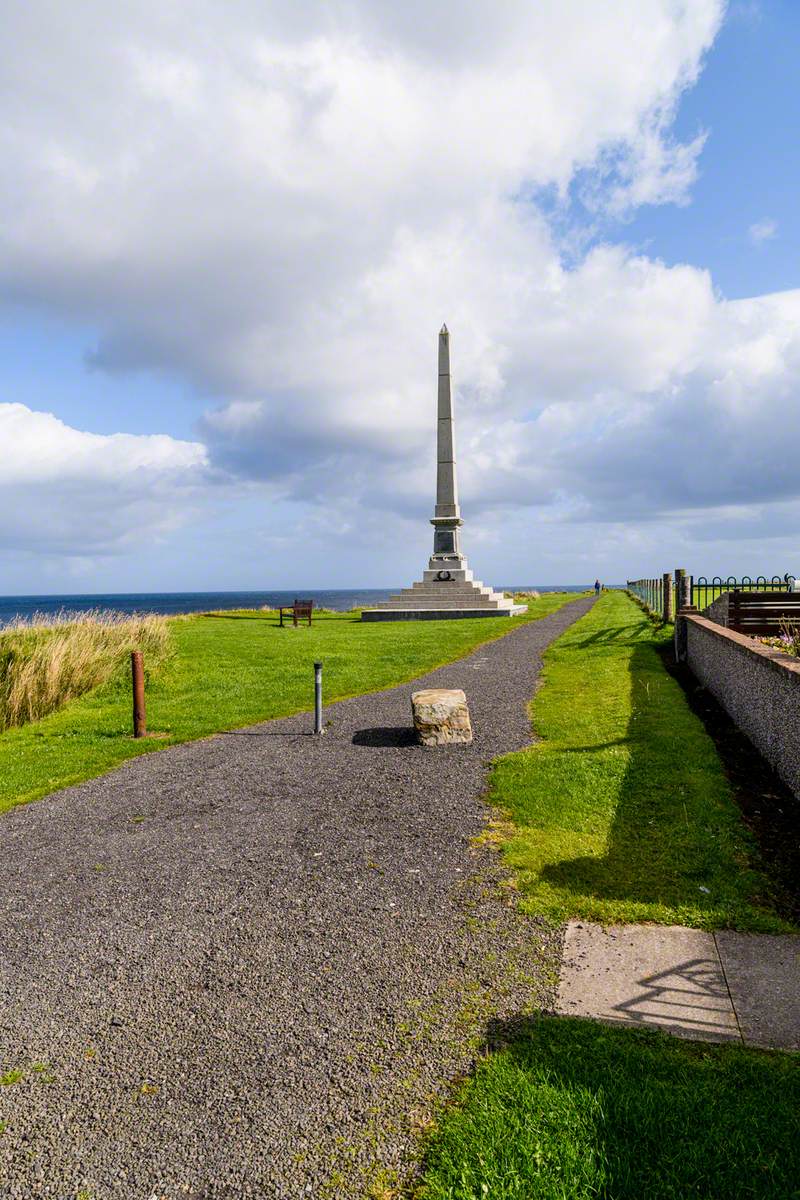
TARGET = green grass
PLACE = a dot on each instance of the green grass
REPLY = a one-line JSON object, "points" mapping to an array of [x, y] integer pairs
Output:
{"points": [[573, 1110], [228, 671], [623, 812]]}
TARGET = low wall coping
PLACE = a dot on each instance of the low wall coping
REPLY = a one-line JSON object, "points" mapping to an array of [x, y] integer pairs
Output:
{"points": [[746, 645]]}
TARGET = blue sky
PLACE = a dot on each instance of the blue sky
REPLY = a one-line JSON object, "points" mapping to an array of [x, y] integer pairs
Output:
{"points": [[748, 100], [46, 364], [249, 249]]}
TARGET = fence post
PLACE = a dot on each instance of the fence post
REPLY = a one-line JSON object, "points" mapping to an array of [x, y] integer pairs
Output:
{"points": [[667, 601], [685, 596], [137, 673], [684, 607]]}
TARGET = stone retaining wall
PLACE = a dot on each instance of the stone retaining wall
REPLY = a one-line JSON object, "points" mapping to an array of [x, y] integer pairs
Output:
{"points": [[758, 687]]}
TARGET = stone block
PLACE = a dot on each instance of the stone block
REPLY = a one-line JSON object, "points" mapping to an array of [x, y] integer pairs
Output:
{"points": [[441, 717]]}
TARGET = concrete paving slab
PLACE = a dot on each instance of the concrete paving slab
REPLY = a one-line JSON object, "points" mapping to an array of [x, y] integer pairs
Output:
{"points": [[647, 975], [763, 976]]}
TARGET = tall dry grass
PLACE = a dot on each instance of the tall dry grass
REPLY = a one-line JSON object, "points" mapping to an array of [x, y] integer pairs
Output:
{"points": [[48, 660]]}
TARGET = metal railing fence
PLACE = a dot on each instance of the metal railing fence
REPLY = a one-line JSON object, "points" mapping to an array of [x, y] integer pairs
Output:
{"points": [[705, 591], [664, 596]]}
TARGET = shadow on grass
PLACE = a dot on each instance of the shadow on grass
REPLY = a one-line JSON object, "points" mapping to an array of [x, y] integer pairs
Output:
{"points": [[265, 618], [590, 746], [571, 1109], [770, 810], [604, 637], [675, 838], [270, 617]]}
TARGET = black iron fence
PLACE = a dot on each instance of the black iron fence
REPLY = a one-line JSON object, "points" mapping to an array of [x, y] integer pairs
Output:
{"points": [[705, 590], [663, 595]]}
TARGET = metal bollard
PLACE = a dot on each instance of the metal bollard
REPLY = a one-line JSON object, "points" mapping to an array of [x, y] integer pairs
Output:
{"points": [[137, 673], [317, 697]]}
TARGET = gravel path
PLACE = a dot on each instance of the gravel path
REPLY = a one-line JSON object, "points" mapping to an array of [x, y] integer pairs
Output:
{"points": [[246, 966]]}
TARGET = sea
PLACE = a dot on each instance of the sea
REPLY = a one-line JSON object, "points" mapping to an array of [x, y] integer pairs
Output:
{"points": [[170, 603]]}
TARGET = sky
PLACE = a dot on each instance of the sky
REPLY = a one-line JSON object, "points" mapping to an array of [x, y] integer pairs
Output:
{"points": [[230, 233]]}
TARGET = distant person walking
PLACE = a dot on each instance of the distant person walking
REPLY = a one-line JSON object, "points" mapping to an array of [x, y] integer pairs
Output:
{"points": [[597, 587]]}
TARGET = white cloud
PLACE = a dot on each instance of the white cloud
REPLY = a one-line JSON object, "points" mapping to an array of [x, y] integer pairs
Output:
{"points": [[763, 231], [219, 195], [281, 204], [40, 448], [66, 491]]}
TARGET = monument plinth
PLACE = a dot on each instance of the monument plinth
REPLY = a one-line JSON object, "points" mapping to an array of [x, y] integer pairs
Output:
{"points": [[447, 589]]}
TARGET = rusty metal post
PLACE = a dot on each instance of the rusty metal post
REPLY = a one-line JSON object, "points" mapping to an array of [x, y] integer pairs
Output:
{"points": [[139, 717], [667, 605]]}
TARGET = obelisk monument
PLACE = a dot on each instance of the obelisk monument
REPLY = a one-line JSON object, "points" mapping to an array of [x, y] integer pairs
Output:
{"points": [[447, 517], [447, 588]]}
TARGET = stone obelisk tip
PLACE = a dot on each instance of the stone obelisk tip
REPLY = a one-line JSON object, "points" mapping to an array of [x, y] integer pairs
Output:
{"points": [[446, 539], [444, 364]]}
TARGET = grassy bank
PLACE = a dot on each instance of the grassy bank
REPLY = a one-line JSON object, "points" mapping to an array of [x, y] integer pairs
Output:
{"points": [[573, 1110], [45, 665], [231, 670], [622, 812]]}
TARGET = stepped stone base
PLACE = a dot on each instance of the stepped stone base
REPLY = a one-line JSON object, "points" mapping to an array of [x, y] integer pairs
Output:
{"points": [[437, 614], [434, 599]]}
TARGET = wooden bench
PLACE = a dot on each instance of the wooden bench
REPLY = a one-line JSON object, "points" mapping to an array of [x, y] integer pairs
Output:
{"points": [[760, 613], [300, 611]]}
